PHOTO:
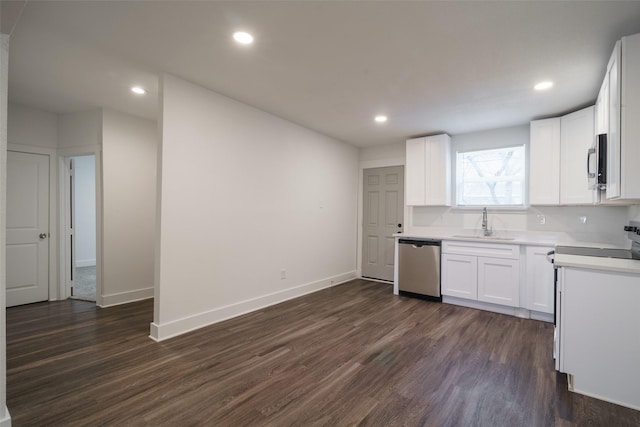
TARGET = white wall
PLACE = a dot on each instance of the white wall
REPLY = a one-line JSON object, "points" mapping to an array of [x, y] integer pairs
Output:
{"points": [[85, 210], [33, 127], [634, 212], [5, 419], [395, 152], [244, 195], [80, 129], [604, 223], [129, 147]]}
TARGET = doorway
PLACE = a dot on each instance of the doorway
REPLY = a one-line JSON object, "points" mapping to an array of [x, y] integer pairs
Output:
{"points": [[80, 218], [383, 213]]}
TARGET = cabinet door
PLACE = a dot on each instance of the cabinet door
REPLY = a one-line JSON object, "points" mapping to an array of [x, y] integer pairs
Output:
{"points": [[439, 170], [600, 344], [539, 282], [415, 172], [629, 117], [602, 108], [544, 163], [613, 134], [499, 281], [576, 138], [460, 276]]}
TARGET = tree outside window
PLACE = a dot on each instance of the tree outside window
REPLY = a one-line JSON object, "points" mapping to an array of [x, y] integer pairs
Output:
{"points": [[491, 177]]}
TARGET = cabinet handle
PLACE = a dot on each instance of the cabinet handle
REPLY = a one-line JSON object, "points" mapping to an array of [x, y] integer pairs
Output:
{"points": [[589, 154]]}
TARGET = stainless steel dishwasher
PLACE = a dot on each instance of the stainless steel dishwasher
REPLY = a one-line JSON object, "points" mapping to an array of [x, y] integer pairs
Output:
{"points": [[419, 268]]}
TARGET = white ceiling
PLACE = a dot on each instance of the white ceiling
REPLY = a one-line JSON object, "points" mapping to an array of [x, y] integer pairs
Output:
{"points": [[331, 66]]}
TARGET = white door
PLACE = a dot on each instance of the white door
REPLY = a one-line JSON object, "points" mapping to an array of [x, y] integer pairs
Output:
{"points": [[382, 217], [27, 228]]}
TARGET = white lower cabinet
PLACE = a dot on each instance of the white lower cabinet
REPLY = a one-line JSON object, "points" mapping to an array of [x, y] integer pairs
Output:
{"points": [[468, 273], [599, 338], [499, 281], [460, 276], [539, 280]]}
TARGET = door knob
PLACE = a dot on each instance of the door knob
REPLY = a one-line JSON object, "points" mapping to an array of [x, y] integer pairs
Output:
{"points": [[43, 236]]}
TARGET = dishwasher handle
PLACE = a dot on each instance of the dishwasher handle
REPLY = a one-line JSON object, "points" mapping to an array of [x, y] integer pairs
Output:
{"points": [[419, 243]]}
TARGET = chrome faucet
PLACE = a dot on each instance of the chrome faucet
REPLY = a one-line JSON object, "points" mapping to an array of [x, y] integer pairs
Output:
{"points": [[485, 229]]}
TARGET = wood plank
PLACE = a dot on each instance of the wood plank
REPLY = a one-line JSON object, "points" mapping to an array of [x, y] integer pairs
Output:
{"points": [[353, 354]]}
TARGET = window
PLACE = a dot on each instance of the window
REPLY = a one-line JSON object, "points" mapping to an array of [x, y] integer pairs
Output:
{"points": [[491, 177]]}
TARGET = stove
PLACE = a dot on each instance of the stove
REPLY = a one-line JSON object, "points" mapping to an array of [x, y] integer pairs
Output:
{"points": [[633, 232]]}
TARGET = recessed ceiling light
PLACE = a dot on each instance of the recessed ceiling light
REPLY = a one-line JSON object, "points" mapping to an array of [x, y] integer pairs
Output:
{"points": [[242, 37], [543, 85], [138, 90], [380, 119]]}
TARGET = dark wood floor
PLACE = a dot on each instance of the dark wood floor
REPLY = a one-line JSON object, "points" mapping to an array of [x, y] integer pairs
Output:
{"points": [[353, 354]]}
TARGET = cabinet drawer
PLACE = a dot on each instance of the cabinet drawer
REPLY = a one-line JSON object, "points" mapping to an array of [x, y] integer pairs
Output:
{"points": [[495, 250]]}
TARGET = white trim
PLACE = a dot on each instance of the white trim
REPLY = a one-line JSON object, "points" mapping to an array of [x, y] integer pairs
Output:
{"points": [[161, 332], [53, 212], [543, 317], [371, 279], [480, 305], [6, 421], [600, 397], [497, 308], [126, 297], [371, 164]]}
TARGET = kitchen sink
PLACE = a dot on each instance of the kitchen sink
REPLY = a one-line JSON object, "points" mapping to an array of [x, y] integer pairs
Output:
{"points": [[475, 236]]}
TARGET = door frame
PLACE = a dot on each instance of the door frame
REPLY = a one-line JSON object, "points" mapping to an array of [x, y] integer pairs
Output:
{"points": [[63, 194], [370, 164], [53, 212]]}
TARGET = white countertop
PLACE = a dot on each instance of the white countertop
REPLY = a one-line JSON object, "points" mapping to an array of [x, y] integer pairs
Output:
{"points": [[531, 238], [598, 263], [534, 238]]}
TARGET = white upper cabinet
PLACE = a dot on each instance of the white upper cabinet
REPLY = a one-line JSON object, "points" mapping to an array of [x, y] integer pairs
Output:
{"points": [[428, 171], [577, 136], [557, 159], [623, 127], [612, 82], [544, 162], [602, 109]]}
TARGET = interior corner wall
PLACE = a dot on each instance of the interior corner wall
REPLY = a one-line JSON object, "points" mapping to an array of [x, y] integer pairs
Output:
{"points": [[129, 147], [254, 210]]}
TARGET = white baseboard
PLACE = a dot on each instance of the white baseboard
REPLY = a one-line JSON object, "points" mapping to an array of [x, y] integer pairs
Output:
{"points": [[6, 420], [480, 305], [496, 308], [85, 262], [125, 297], [160, 332]]}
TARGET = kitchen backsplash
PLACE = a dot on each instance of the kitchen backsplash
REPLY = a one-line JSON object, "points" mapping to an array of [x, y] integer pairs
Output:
{"points": [[599, 221]]}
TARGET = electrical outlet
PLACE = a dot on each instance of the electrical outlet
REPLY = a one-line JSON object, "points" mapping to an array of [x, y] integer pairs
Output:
{"points": [[283, 274], [583, 219], [542, 220]]}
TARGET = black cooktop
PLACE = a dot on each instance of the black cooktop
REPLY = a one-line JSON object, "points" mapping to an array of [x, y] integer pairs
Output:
{"points": [[598, 252]]}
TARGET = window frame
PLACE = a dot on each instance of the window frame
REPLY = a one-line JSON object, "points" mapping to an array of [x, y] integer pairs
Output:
{"points": [[525, 177]]}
